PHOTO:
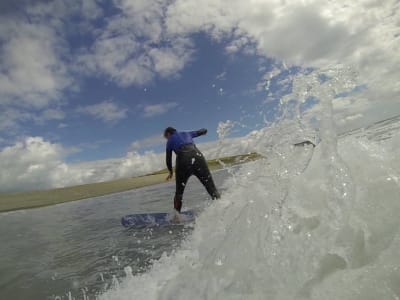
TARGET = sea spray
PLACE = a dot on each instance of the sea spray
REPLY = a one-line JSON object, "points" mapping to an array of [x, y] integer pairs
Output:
{"points": [[303, 223], [272, 235]]}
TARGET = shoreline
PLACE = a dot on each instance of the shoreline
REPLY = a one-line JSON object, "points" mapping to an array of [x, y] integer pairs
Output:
{"points": [[36, 199]]}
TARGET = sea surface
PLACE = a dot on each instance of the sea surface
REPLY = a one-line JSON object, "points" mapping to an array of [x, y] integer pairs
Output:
{"points": [[79, 249], [302, 223]]}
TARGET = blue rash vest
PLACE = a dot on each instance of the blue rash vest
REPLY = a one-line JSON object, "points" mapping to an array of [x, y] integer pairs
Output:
{"points": [[179, 139]]}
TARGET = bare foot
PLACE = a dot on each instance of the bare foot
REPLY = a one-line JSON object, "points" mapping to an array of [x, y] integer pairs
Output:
{"points": [[176, 218]]}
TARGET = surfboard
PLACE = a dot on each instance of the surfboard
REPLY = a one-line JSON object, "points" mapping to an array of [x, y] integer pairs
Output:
{"points": [[157, 219]]}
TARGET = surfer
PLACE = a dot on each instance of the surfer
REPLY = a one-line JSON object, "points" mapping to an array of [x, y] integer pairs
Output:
{"points": [[189, 161]]}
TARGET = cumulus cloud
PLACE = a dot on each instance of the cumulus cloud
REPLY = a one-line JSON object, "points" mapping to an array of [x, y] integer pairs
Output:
{"points": [[107, 111], [158, 109], [32, 72], [35, 163], [149, 142], [359, 34], [51, 114], [146, 39], [30, 164], [168, 61], [272, 27], [35, 60], [12, 118], [133, 49]]}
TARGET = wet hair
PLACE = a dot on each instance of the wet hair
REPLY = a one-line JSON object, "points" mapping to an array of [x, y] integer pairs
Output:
{"points": [[169, 130]]}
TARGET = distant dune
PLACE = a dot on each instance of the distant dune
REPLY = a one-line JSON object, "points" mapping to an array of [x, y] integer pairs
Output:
{"points": [[25, 200]]}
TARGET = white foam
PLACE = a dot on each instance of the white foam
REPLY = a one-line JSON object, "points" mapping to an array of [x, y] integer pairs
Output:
{"points": [[303, 223], [281, 233]]}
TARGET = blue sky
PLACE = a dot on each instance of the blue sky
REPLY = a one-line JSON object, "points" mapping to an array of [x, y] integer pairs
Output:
{"points": [[94, 80], [214, 87], [97, 118]]}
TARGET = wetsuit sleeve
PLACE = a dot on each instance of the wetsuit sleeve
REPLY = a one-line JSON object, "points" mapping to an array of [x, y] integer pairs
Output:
{"points": [[199, 132], [168, 159]]}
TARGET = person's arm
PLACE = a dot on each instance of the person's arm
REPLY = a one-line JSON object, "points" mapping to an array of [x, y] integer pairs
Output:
{"points": [[199, 132], [168, 160]]}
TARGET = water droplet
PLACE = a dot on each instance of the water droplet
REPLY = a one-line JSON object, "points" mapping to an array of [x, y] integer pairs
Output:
{"points": [[128, 271], [219, 262]]}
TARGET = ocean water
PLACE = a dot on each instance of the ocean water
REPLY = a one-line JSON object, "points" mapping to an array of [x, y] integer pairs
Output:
{"points": [[78, 250], [295, 225], [302, 223]]}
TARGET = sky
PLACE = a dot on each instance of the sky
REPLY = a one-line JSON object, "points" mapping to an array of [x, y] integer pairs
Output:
{"points": [[87, 86]]}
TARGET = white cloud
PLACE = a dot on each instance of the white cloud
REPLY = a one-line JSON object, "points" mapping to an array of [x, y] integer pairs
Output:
{"points": [[94, 144], [35, 163], [32, 73], [359, 34], [148, 142], [168, 61], [51, 114], [146, 39], [158, 109], [273, 27], [133, 49], [107, 111], [355, 33], [62, 125], [35, 61], [153, 38], [120, 57], [12, 118], [56, 12], [30, 165]]}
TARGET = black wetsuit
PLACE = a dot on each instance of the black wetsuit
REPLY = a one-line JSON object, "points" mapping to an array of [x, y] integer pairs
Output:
{"points": [[189, 161]]}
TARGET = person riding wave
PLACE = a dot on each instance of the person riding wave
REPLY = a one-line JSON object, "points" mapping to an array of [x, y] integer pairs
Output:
{"points": [[189, 161]]}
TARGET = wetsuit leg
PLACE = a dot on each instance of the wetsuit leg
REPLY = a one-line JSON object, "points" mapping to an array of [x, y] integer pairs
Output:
{"points": [[182, 174], [202, 172]]}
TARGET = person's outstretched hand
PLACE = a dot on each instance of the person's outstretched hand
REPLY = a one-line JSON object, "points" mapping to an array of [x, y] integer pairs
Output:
{"points": [[169, 177]]}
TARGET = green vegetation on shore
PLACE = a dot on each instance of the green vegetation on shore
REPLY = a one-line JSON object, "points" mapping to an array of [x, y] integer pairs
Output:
{"points": [[24, 200], [215, 164]]}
